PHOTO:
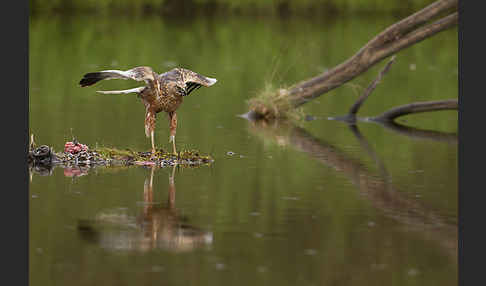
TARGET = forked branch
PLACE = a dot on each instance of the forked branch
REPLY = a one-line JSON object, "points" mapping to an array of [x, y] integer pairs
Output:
{"points": [[398, 36]]}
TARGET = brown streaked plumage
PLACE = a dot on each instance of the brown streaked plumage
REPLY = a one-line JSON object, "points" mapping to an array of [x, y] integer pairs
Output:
{"points": [[162, 92]]}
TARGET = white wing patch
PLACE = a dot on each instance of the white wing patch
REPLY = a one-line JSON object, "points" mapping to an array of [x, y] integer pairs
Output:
{"points": [[125, 91], [211, 81], [117, 74]]}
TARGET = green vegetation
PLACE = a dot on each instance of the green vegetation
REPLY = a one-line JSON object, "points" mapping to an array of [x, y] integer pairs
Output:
{"points": [[185, 157], [274, 103], [112, 156], [227, 6]]}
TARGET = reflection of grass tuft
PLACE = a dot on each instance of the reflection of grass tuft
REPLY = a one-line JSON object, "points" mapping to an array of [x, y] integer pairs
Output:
{"points": [[273, 102]]}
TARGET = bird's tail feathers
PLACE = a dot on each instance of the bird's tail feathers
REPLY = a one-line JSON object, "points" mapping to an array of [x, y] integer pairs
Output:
{"points": [[93, 77]]}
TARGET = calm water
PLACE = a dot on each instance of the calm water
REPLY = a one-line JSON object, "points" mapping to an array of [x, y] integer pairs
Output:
{"points": [[315, 204]]}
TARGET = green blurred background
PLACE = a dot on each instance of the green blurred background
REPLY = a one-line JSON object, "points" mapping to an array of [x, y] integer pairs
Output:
{"points": [[227, 6]]}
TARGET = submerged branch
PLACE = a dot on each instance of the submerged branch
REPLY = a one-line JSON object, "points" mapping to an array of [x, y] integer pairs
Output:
{"points": [[416, 107]]}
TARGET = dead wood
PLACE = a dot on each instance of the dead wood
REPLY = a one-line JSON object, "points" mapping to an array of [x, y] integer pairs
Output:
{"points": [[390, 115], [398, 36], [355, 107], [416, 107]]}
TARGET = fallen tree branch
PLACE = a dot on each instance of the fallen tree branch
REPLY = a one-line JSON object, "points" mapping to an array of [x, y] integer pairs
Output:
{"points": [[354, 109], [399, 36], [416, 107]]}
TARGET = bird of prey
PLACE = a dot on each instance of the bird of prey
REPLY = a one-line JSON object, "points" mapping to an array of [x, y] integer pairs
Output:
{"points": [[163, 92]]}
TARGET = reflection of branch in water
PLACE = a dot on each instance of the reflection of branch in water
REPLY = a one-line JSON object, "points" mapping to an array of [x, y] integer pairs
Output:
{"points": [[367, 147], [410, 132], [156, 227], [416, 133], [382, 195]]}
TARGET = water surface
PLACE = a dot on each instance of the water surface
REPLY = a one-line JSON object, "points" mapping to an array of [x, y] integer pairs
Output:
{"points": [[317, 204]]}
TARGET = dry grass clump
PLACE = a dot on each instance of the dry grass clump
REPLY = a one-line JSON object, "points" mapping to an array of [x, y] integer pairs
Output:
{"points": [[274, 103]]}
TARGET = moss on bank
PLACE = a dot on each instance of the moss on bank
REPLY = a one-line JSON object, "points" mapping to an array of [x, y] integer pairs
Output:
{"points": [[160, 157], [109, 156]]}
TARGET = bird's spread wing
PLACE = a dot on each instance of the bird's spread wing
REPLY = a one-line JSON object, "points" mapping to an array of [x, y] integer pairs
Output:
{"points": [[191, 86], [193, 80], [139, 74]]}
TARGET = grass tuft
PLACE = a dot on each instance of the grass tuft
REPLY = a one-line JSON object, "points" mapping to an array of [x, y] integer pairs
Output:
{"points": [[274, 103]]}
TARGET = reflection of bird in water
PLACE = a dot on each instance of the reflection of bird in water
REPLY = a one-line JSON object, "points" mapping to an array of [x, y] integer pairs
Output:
{"points": [[157, 227], [162, 92], [163, 226]]}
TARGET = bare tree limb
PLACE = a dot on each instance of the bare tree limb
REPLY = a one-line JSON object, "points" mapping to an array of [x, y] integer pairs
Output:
{"points": [[400, 35], [417, 36], [416, 107], [406, 25], [368, 56], [354, 109]]}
